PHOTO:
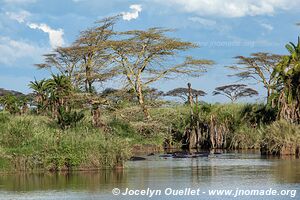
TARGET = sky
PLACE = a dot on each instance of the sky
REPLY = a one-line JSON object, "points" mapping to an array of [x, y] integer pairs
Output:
{"points": [[222, 28]]}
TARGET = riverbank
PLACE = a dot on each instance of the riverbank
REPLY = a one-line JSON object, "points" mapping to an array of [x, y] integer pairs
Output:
{"points": [[31, 142]]}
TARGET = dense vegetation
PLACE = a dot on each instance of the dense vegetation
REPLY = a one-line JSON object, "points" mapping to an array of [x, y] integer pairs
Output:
{"points": [[66, 123]]}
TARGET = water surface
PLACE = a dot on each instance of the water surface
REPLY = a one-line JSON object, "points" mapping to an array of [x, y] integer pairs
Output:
{"points": [[248, 171]]}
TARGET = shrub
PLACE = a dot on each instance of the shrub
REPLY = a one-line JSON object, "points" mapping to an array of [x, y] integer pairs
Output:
{"points": [[245, 138], [258, 114], [279, 136], [69, 118]]}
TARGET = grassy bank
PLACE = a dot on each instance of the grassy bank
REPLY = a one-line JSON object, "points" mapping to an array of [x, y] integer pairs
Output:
{"points": [[36, 143], [244, 126], [31, 142]]}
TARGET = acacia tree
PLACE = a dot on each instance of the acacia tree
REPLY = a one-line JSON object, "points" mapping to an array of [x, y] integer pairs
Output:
{"points": [[235, 91], [183, 93], [92, 48], [86, 62], [259, 67], [126, 94], [142, 58], [63, 59], [152, 94]]}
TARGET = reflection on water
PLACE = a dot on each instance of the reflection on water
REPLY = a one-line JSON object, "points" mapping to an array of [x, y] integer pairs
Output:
{"points": [[287, 170], [228, 170], [92, 181]]}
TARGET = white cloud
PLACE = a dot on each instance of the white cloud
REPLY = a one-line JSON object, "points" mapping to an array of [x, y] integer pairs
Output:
{"points": [[202, 21], [210, 24], [136, 9], [20, 17], [232, 8], [55, 36], [12, 50], [269, 27]]}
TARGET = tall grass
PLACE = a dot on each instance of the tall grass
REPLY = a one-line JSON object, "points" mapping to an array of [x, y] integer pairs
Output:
{"points": [[33, 142], [281, 137], [242, 121]]}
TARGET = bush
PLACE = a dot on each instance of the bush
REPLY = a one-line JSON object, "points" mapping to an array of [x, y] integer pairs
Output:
{"points": [[245, 138], [258, 114], [281, 136], [67, 119]]}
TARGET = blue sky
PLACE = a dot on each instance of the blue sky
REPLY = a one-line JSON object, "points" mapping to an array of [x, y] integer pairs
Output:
{"points": [[222, 28]]}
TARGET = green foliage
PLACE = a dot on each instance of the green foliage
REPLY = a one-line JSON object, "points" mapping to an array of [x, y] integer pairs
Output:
{"points": [[17, 133], [3, 117], [121, 128], [245, 137], [258, 114], [12, 103], [280, 134], [30, 143], [238, 119], [287, 90], [40, 91], [223, 113], [68, 118]]}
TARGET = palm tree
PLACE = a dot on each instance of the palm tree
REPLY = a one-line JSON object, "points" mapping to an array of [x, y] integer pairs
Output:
{"points": [[59, 85], [287, 74], [40, 91], [60, 88]]}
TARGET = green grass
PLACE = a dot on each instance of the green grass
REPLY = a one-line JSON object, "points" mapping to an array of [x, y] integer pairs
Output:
{"points": [[34, 143], [280, 135], [31, 142]]}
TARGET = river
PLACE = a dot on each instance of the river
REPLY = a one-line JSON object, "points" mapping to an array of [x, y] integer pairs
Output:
{"points": [[249, 175]]}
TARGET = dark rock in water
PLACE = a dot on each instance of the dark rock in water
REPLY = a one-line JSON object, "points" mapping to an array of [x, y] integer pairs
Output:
{"points": [[166, 156], [180, 156], [185, 154], [202, 153], [135, 158], [189, 155], [151, 154], [217, 153]]}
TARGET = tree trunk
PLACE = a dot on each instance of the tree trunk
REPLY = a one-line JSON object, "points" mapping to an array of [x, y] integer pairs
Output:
{"points": [[191, 103], [88, 83], [190, 95], [88, 74], [198, 131], [144, 107], [96, 116], [140, 97]]}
